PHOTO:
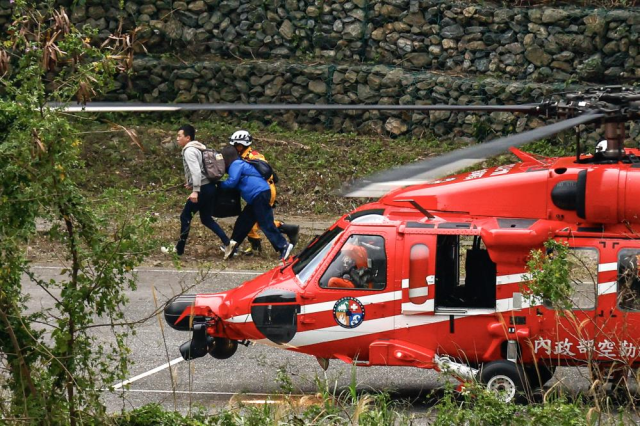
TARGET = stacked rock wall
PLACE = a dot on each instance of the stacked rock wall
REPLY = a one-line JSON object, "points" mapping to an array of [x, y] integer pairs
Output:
{"points": [[285, 82], [541, 44], [366, 51]]}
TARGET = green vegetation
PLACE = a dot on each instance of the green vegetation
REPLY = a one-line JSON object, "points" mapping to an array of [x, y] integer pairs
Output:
{"points": [[474, 406], [548, 276], [53, 365], [312, 166]]}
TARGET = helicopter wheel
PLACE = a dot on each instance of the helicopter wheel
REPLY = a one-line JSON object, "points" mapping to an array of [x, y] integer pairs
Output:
{"points": [[223, 348], [504, 378]]}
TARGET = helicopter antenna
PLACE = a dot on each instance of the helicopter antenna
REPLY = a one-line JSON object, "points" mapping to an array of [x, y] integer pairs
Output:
{"points": [[578, 151], [421, 209]]}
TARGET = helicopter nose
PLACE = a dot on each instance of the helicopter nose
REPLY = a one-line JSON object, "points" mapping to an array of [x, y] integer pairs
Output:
{"points": [[184, 310], [274, 314], [173, 312]]}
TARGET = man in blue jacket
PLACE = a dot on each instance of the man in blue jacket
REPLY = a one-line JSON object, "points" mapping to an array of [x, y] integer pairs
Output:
{"points": [[255, 190]]}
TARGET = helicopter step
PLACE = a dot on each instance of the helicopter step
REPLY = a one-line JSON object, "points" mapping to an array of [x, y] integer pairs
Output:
{"points": [[400, 353]]}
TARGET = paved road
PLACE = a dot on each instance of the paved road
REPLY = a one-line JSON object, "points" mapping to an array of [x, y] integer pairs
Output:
{"points": [[206, 381]]}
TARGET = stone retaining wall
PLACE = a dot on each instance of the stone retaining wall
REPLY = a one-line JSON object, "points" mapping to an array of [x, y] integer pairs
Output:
{"points": [[542, 44], [367, 51], [284, 82]]}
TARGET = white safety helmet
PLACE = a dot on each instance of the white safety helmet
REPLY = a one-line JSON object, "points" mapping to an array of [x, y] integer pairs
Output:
{"points": [[602, 146], [241, 137]]}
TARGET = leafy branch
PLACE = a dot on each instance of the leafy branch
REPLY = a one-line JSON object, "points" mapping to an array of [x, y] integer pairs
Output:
{"points": [[548, 276]]}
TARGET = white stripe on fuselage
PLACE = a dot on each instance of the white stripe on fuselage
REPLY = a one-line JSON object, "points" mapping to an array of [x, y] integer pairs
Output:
{"points": [[378, 325], [608, 287], [502, 305], [313, 308], [510, 279], [418, 292], [606, 267], [381, 325], [365, 300]]}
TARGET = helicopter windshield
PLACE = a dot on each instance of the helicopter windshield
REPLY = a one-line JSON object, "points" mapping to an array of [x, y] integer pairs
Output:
{"points": [[311, 256]]}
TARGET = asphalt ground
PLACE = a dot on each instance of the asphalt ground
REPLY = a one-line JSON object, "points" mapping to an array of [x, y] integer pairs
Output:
{"points": [[252, 374]]}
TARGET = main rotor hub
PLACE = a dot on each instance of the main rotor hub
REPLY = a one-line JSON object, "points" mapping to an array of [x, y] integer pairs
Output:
{"points": [[621, 103]]}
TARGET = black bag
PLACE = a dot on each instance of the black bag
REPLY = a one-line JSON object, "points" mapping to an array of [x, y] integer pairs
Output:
{"points": [[265, 169], [227, 203]]}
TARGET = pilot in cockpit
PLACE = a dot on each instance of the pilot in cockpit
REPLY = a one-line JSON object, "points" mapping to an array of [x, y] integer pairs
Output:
{"points": [[354, 268]]}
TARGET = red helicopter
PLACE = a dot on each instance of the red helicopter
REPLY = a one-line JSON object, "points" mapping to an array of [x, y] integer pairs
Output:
{"points": [[432, 274]]}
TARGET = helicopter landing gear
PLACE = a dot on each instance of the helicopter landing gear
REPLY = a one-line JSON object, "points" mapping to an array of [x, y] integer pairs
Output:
{"points": [[504, 378]]}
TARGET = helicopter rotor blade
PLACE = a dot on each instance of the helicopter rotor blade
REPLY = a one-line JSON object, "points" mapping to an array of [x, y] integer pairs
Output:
{"points": [[426, 170], [144, 107]]}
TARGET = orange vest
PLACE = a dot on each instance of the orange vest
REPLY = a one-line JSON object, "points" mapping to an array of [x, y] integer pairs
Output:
{"points": [[251, 154]]}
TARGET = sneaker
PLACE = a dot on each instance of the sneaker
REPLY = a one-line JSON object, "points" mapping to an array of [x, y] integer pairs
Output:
{"points": [[248, 251], [168, 250], [229, 249], [223, 249], [286, 252]]}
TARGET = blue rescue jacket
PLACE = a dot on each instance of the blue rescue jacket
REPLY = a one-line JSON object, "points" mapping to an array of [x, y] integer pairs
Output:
{"points": [[247, 179]]}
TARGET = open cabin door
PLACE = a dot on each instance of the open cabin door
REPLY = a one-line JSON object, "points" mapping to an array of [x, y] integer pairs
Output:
{"points": [[465, 276], [446, 272]]}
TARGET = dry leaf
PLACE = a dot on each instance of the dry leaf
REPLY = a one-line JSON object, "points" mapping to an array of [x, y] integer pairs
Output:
{"points": [[133, 135], [37, 140], [85, 92], [61, 21], [4, 62]]}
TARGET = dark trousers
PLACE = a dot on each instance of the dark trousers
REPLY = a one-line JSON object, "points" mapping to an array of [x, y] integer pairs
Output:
{"points": [[259, 211], [204, 206]]}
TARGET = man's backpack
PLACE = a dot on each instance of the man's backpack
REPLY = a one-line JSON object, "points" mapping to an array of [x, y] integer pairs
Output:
{"points": [[213, 164], [264, 168]]}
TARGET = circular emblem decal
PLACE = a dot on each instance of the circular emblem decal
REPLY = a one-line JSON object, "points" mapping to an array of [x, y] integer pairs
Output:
{"points": [[348, 312]]}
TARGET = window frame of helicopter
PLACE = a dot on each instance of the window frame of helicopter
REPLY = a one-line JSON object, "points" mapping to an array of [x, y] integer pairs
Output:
{"points": [[377, 266], [636, 281], [576, 280]]}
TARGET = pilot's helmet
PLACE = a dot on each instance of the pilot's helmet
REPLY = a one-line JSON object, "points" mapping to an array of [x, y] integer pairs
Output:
{"points": [[602, 146], [356, 253]]}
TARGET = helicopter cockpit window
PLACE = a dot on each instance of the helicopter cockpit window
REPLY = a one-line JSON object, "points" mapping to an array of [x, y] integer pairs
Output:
{"points": [[465, 274], [629, 280], [361, 264], [311, 256]]}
